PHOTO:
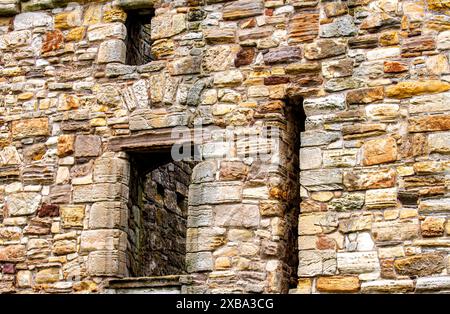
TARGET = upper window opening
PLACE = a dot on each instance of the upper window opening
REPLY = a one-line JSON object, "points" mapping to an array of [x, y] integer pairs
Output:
{"points": [[138, 40]]}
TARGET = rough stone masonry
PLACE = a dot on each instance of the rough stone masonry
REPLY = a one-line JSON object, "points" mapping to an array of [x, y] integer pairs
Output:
{"points": [[362, 207]]}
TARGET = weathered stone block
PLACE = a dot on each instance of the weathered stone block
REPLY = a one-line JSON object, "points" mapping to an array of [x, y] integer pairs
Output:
{"points": [[108, 215], [365, 95], [88, 146], [317, 138], [200, 216], [30, 127], [310, 224], [99, 192], [439, 142], [388, 286], [186, 65], [199, 262], [318, 180], [23, 203], [340, 26], [356, 222], [443, 40], [339, 158], [324, 48], [310, 158], [304, 27], [369, 179], [12, 253], [245, 215], [103, 31], [338, 284], [64, 247], [24, 279], [324, 105], [381, 198], [32, 20], [283, 55], [348, 201], [113, 50], [48, 275], [313, 263], [357, 262], [220, 35], [9, 156], [215, 193], [242, 8], [65, 145], [38, 226], [412, 88], [383, 112], [72, 216], [244, 57], [429, 284], [69, 19], [434, 205], [420, 265], [433, 226], [204, 239], [106, 263], [383, 53], [233, 170], [103, 240], [229, 78], [167, 25], [337, 68], [343, 83], [110, 169], [146, 119], [429, 123], [217, 58], [395, 230]]}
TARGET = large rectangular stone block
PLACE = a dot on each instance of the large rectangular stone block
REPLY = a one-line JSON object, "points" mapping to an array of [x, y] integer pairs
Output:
{"points": [[198, 262], [204, 239], [388, 286], [103, 240], [12, 253], [147, 119], [99, 192], [110, 169], [357, 262], [23, 203], [30, 127], [439, 142], [242, 215], [395, 230], [30, 20], [106, 263], [215, 193], [108, 215], [243, 8], [113, 50], [435, 205], [324, 179]]}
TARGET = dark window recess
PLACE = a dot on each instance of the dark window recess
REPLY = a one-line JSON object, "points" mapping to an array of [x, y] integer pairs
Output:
{"points": [[138, 40], [296, 122], [158, 207]]}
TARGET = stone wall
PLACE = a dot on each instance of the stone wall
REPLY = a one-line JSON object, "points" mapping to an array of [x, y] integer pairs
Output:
{"points": [[373, 80]]}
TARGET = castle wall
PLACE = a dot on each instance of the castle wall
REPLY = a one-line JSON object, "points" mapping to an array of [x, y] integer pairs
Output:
{"points": [[372, 78]]}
